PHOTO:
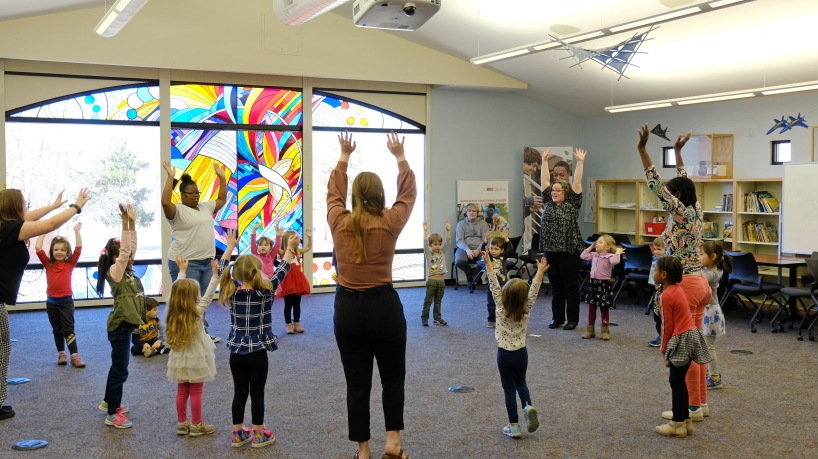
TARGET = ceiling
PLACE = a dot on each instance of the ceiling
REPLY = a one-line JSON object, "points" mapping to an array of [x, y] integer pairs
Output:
{"points": [[766, 42]]}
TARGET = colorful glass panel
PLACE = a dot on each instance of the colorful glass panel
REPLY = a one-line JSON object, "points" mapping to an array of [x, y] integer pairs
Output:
{"points": [[328, 111], [405, 267], [196, 103], [129, 104]]}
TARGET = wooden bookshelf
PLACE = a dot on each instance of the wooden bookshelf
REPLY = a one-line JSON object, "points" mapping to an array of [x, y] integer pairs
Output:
{"points": [[612, 219]]}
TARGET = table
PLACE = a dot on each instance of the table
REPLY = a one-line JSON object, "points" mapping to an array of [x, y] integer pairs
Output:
{"points": [[781, 262]]}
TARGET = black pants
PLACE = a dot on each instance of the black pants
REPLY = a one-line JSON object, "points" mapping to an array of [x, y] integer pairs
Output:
{"points": [[468, 266], [513, 366], [678, 390], [658, 321], [249, 378], [563, 274], [491, 306], [61, 318], [120, 340], [136, 349], [370, 324], [292, 305]]}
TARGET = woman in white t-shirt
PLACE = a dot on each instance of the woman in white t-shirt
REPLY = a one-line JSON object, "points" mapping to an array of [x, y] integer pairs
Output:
{"points": [[191, 226]]}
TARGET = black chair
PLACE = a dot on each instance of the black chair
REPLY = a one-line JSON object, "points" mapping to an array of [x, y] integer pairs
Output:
{"points": [[456, 274], [511, 263], [585, 273], [530, 259], [745, 270], [806, 292], [637, 267]]}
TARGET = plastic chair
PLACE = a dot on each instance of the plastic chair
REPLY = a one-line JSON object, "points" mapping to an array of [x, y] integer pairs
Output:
{"points": [[637, 267], [806, 292], [745, 270]]}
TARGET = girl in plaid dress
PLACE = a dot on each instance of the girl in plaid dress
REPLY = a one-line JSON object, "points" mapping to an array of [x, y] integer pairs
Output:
{"points": [[249, 295], [682, 343], [600, 290]]}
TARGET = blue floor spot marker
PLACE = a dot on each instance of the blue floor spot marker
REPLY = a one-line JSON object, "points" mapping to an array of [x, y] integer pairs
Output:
{"points": [[28, 445], [461, 389], [13, 340], [15, 381]]}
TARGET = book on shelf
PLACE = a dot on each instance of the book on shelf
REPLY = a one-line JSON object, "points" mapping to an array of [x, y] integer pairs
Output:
{"points": [[710, 229], [727, 202], [728, 230], [760, 232], [622, 205], [760, 201]]}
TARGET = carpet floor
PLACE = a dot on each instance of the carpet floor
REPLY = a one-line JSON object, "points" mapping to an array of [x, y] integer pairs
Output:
{"points": [[596, 398]]}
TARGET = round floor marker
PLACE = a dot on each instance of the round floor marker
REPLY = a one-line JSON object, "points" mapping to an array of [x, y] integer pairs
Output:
{"points": [[28, 445], [741, 352], [461, 389], [611, 324], [15, 381], [13, 340]]}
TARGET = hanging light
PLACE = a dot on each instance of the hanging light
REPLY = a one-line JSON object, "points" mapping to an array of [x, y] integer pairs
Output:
{"points": [[115, 18]]}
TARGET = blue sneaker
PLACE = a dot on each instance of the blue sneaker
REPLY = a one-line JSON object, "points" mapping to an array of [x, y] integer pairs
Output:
{"points": [[530, 415], [118, 420], [512, 431], [655, 342]]}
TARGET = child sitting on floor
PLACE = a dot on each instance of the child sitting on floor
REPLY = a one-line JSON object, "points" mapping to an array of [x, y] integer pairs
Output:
{"points": [[149, 339]]}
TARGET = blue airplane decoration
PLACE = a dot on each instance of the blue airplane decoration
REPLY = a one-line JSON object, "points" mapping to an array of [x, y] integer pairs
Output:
{"points": [[786, 124]]}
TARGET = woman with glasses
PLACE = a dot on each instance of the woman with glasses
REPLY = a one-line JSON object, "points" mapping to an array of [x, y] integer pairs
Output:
{"points": [[191, 228], [469, 235]]}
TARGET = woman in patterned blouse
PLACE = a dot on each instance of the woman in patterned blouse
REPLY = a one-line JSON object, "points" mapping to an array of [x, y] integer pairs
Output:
{"points": [[683, 240], [561, 241]]}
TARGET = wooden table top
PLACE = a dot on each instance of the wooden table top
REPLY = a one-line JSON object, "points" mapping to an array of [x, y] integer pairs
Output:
{"points": [[775, 260]]}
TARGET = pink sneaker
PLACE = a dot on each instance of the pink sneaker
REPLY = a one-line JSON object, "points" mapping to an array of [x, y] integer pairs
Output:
{"points": [[263, 438], [77, 362], [118, 420], [62, 359]]}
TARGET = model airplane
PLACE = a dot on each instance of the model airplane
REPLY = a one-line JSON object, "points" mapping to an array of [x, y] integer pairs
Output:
{"points": [[793, 122], [658, 131], [778, 124]]}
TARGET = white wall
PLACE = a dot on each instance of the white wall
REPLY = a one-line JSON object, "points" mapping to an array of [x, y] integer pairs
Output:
{"points": [[611, 139], [481, 135]]}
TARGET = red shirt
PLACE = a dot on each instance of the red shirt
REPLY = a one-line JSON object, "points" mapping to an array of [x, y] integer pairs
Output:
{"points": [[676, 317], [58, 275]]}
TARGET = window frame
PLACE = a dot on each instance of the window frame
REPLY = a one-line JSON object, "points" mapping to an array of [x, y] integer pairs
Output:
{"points": [[667, 153], [774, 146]]}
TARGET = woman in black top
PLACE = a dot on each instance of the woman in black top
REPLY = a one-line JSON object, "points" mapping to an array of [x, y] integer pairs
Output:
{"points": [[17, 226], [561, 241]]}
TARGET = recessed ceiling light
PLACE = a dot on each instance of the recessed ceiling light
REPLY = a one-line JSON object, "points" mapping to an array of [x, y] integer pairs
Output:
{"points": [[500, 56], [715, 98], [564, 29]]}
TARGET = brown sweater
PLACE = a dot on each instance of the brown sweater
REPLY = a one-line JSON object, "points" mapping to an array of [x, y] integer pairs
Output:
{"points": [[381, 235]]}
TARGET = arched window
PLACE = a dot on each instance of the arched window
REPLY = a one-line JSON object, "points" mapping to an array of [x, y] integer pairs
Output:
{"points": [[369, 125]]}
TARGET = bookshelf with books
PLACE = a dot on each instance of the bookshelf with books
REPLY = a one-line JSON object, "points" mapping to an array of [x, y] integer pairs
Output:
{"points": [[757, 223], [616, 204], [716, 198], [649, 208]]}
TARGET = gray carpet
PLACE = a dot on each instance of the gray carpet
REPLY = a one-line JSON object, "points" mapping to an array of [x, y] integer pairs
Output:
{"points": [[596, 399]]}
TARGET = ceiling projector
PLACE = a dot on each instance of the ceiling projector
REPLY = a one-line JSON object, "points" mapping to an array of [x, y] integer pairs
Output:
{"points": [[393, 15]]}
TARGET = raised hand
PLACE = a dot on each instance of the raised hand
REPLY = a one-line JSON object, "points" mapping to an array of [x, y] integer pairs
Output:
{"points": [[169, 169], [487, 237], [82, 198], [280, 231], [620, 250], [308, 232], [256, 227], [123, 212], [219, 171], [292, 242], [214, 266], [425, 227], [542, 265], [579, 154], [545, 157], [448, 226], [59, 201], [182, 264], [230, 238], [78, 227], [487, 260], [681, 141], [131, 213], [504, 234], [644, 133], [347, 145], [395, 147]]}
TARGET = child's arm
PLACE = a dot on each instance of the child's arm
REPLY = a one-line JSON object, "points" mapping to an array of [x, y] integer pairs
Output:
{"points": [[667, 320], [38, 249], [534, 290], [617, 256], [182, 263], [494, 284], [448, 237], [284, 267], [586, 254], [308, 247], [509, 247], [75, 256], [118, 268], [426, 237], [253, 248], [207, 298], [277, 243]]}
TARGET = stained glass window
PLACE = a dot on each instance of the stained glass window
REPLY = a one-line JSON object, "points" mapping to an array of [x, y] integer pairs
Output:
{"points": [[405, 267], [329, 111], [195, 103], [140, 103]]}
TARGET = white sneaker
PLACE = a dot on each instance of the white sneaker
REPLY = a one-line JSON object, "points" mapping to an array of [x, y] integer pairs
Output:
{"points": [[705, 409], [696, 416], [215, 339]]}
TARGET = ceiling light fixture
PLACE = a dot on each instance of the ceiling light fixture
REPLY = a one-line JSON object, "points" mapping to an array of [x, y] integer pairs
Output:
{"points": [[745, 94], [545, 45], [115, 18]]}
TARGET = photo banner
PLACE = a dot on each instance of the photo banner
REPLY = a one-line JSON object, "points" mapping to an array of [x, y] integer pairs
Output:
{"points": [[491, 199]]}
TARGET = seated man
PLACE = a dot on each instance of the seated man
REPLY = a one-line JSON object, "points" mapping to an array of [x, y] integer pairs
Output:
{"points": [[469, 235]]}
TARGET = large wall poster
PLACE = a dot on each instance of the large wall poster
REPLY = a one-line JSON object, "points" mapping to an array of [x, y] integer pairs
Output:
{"points": [[561, 157], [491, 198]]}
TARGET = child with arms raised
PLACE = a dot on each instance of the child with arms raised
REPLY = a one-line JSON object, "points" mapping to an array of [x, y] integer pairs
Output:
{"points": [[682, 343], [435, 248], [59, 264], [148, 339], [249, 297], [295, 284], [600, 290], [192, 359], [265, 249], [499, 250], [116, 267], [513, 309]]}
